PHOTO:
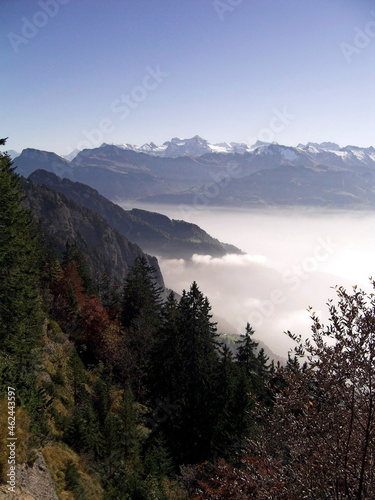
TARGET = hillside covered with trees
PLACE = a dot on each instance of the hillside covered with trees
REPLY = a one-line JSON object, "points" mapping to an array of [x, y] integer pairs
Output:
{"points": [[128, 395]]}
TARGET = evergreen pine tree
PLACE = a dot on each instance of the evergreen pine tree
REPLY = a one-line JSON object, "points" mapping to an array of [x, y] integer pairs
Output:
{"points": [[253, 364], [265, 372], [109, 295], [74, 254], [190, 423], [264, 366], [20, 303], [19, 275], [225, 430], [73, 480], [128, 425], [140, 318], [165, 354], [141, 294], [83, 429], [246, 352]]}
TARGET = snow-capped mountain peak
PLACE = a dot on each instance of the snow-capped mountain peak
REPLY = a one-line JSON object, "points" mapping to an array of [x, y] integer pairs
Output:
{"points": [[312, 153], [195, 146]]}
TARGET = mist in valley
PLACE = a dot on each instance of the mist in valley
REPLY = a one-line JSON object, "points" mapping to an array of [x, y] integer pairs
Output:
{"points": [[292, 259]]}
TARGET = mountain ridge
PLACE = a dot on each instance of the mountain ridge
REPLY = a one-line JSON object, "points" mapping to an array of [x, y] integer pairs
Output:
{"points": [[154, 233], [197, 146], [311, 175], [64, 221]]}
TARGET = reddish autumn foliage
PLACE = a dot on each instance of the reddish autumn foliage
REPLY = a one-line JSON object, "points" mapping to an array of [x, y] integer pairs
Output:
{"points": [[70, 282], [67, 293], [99, 334], [84, 317]]}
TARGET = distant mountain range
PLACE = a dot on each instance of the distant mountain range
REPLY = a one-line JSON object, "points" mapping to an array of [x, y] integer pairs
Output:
{"points": [[195, 173], [196, 146]]}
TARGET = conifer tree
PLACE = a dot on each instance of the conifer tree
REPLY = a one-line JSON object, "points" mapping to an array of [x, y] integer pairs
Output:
{"points": [[232, 404], [140, 318], [165, 353], [109, 295], [128, 425], [74, 254], [73, 480], [264, 366], [265, 372], [190, 423], [19, 273], [246, 352], [141, 294], [83, 431], [67, 295], [254, 365]]}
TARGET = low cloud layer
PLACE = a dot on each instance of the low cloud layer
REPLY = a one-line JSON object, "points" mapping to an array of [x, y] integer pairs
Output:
{"points": [[293, 261], [230, 259], [241, 290]]}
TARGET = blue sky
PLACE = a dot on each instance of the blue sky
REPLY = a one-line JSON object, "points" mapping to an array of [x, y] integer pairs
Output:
{"points": [[81, 72]]}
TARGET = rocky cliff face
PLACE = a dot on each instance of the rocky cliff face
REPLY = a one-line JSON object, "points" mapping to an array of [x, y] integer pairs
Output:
{"points": [[64, 221], [155, 233], [32, 483]]}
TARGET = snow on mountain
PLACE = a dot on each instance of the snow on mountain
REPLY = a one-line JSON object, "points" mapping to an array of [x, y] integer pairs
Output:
{"points": [[312, 153], [195, 146], [331, 154], [289, 154], [309, 148], [286, 153]]}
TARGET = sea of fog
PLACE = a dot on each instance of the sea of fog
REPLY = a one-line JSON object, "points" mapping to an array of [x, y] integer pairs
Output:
{"points": [[292, 259]]}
